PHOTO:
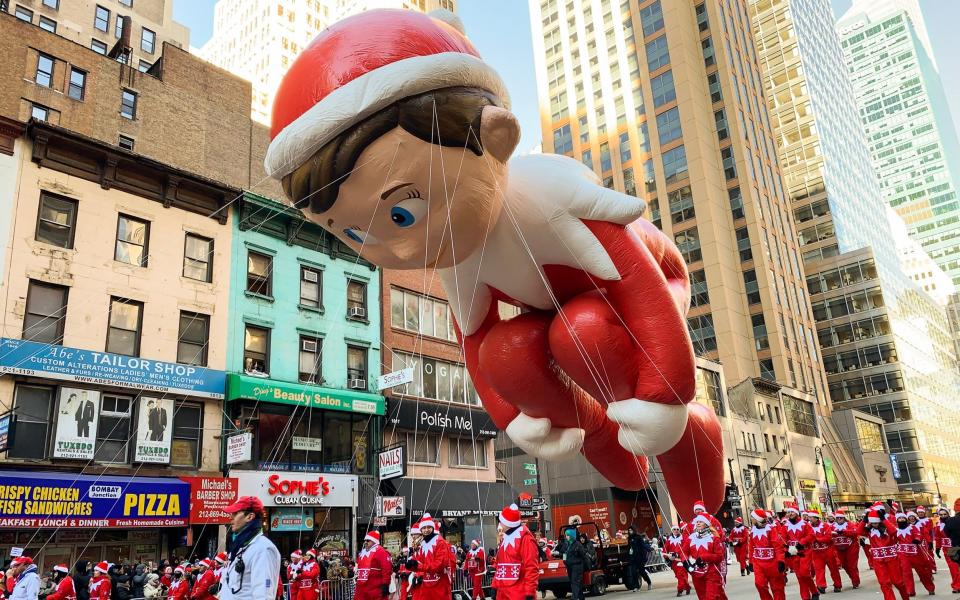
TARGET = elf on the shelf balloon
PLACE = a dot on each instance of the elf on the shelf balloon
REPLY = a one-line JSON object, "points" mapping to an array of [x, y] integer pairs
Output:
{"points": [[390, 132]]}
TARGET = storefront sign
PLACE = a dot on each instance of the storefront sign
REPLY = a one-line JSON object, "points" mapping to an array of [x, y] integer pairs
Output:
{"points": [[21, 357], [392, 506], [307, 443], [209, 496], [379, 521], [447, 419], [5, 421], [267, 390], [33, 500], [392, 462], [291, 519], [298, 489], [154, 430], [333, 544], [77, 419], [396, 378], [239, 447]]}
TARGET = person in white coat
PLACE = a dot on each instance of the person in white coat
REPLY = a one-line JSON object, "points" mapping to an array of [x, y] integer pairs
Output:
{"points": [[253, 562], [28, 580]]}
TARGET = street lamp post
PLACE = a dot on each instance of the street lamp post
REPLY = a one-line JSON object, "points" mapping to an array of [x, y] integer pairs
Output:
{"points": [[936, 480], [733, 485], [819, 453]]}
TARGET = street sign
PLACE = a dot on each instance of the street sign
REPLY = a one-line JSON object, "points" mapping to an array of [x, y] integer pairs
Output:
{"points": [[735, 505], [530, 481], [895, 466], [531, 468], [379, 521], [540, 506]]}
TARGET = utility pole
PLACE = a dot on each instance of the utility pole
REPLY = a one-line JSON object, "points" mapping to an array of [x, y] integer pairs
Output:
{"points": [[936, 480], [823, 463]]}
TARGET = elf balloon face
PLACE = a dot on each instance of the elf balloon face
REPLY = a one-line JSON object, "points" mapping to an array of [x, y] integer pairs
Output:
{"points": [[391, 133]]}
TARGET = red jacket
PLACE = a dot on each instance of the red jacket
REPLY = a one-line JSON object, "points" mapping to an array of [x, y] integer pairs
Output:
{"points": [[910, 539], [883, 541], [766, 544], [799, 534], [293, 571], [309, 575], [822, 536], [373, 569], [179, 589], [675, 545], [706, 550], [738, 536], [100, 588], [844, 535], [201, 589], [435, 562], [518, 566], [476, 562], [942, 540], [65, 590]]}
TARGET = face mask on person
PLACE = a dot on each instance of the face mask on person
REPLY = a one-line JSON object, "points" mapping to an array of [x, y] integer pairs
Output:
{"points": [[903, 523]]}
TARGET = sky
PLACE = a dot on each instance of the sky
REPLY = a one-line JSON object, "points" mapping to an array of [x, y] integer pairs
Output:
{"points": [[500, 30]]}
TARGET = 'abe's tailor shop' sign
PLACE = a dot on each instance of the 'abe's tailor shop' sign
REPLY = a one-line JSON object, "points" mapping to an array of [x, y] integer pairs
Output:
{"points": [[437, 418], [20, 357]]}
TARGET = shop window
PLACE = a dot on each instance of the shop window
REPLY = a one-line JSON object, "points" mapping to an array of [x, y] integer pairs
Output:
{"points": [[126, 320], [356, 367], [256, 351], [259, 273], [311, 287], [187, 432], [311, 350], [465, 452], [360, 446], [356, 300], [46, 312], [32, 409], [113, 429], [424, 448], [337, 443], [133, 237], [197, 255], [193, 339]]}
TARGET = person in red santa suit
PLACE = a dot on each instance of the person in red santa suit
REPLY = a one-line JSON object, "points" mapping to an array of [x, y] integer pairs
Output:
{"points": [[432, 564], [942, 541], [925, 525], [65, 589], [847, 547], [824, 554], [738, 539], [179, 588], [705, 552], [882, 541], [910, 550], [766, 548], [100, 586], [475, 565], [204, 588], [798, 537], [404, 574], [220, 561], [518, 569], [373, 569], [308, 579], [293, 572], [675, 556]]}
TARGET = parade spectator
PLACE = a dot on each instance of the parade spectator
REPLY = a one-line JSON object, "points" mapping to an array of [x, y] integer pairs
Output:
{"points": [[152, 588], [253, 570], [575, 559], [638, 552]]}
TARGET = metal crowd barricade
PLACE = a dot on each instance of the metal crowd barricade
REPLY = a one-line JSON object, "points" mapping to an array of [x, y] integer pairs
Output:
{"points": [[655, 562], [463, 581], [338, 589]]}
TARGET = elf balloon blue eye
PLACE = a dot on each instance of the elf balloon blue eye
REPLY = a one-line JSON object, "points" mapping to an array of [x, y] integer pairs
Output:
{"points": [[407, 212], [402, 217], [354, 234]]}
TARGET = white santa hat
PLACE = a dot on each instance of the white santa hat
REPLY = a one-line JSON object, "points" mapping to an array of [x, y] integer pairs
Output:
{"points": [[427, 521], [912, 514], [373, 536], [699, 505], [701, 519], [510, 516], [361, 65]]}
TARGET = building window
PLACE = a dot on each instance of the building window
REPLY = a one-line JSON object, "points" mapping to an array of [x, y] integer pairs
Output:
{"points": [[708, 54], [729, 166], [800, 416], [198, 257], [465, 452], [32, 409], [423, 448], [39, 113], [46, 311], [311, 351], [113, 430], [356, 299], [702, 333], [24, 14], [133, 237], [720, 118], [356, 367], [752, 286], [256, 350], [736, 202], [187, 433], [259, 273], [128, 104], [651, 18], [435, 379], [716, 92], [743, 244], [668, 125], [148, 41], [702, 23], [759, 331], [869, 436], [127, 3], [780, 482], [101, 19], [563, 140], [681, 204], [709, 390], [44, 75], [658, 55], [776, 412], [766, 370], [144, 66], [675, 164], [118, 26], [126, 321], [419, 314], [98, 47], [48, 25], [699, 291], [587, 158], [78, 83], [56, 220], [688, 242], [193, 339], [605, 162], [125, 142], [311, 288]]}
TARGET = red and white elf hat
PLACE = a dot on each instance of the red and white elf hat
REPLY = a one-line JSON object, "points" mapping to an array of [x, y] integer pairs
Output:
{"points": [[510, 516], [310, 552], [62, 568], [759, 515], [791, 507], [296, 554], [427, 521], [415, 528], [738, 520], [361, 65], [921, 509], [699, 505], [701, 519], [873, 517], [102, 566], [179, 569], [221, 557], [373, 536]]}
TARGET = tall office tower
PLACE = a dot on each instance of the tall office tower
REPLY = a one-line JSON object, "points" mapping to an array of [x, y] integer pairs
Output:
{"points": [[907, 121], [258, 39], [885, 341], [664, 100]]}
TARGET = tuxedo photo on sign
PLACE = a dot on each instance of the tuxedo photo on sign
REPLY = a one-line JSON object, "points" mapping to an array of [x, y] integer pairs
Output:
{"points": [[84, 415], [154, 430], [156, 421], [77, 414]]}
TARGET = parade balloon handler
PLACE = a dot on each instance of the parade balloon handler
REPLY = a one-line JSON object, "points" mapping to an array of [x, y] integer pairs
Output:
{"points": [[253, 562], [390, 132], [26, 577]]}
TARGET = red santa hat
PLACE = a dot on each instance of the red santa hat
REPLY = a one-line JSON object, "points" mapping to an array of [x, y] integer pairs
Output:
{"points": [[23, 560], [841, 513], [910, 513], [311, 553], [700, 519], [878, 505], [102, 566], [738, 520], [699, 505], [791, 507], [178, 570], [221, 557], [510, 516], [474, 542], [361, 65], [873, 516], [415, 528], [373, 536], [759, 515], [296, 554], [900, 515], [921, 509], [427, 521], [207, 563], [62, 568]]}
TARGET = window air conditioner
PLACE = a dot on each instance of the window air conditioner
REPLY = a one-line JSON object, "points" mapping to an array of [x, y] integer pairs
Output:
{"points": [[358, 311], [308, 345], [357, 384], [310, 276]]}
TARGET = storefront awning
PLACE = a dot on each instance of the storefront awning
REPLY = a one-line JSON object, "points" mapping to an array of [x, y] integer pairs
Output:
{"points": [[245, 387], [442, 498]]}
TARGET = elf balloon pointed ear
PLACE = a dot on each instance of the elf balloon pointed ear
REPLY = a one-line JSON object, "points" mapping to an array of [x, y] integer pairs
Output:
{"points": [[499, 132]]}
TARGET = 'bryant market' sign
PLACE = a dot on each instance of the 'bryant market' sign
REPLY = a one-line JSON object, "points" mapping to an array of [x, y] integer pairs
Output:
{"points": [[435, 418]]}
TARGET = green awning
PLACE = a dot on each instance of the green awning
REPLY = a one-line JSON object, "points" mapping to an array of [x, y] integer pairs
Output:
{"points": [[244, 387]]}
